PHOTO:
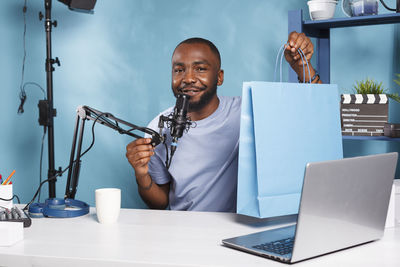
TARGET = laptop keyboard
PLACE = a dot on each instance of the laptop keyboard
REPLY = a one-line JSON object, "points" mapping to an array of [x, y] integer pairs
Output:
{"points": [[281, 247]]}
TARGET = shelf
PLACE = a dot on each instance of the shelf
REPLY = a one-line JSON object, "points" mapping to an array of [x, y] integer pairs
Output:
{"points": [[353, 21], [364, 138], [320, 28]]}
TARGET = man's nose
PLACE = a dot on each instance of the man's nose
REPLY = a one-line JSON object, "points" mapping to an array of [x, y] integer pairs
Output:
{"points": [[189, 77]]}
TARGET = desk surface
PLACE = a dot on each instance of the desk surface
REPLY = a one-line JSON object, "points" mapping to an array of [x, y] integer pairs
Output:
{"points": [[168, 238]]}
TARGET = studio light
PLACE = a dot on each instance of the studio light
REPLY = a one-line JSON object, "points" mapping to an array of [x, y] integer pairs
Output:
{"points": [[84, 5]]}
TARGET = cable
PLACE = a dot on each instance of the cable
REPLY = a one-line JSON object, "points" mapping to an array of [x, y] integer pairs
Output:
{"points": [[93, 138], [41, 160], [69, 166], [22, 95], [40, 186], [167, 162], [22, 86], [388, 8], [10, 199], [36, 84]]}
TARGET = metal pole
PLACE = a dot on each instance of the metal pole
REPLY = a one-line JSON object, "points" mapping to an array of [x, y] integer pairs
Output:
{"points": [[51, 112], [71, 159]]}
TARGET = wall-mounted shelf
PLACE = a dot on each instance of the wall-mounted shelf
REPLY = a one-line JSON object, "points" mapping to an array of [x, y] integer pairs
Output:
{"points": [[352, 22], [365, 138], [321, 30]]}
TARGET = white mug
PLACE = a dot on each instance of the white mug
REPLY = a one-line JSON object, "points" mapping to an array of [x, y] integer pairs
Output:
{"points": [[108, 204]]}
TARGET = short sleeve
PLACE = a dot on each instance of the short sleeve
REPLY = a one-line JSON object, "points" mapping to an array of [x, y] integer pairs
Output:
{"points": [[158, 171]]}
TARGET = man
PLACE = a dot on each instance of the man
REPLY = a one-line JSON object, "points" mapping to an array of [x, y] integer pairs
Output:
{"points": [[203, 172]]}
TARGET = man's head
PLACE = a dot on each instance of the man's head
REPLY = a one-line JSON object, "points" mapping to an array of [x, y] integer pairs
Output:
{"points": [[196, 71]]}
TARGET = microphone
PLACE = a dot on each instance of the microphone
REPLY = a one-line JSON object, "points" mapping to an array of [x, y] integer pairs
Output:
{"points": [[180, 121], [177, 122]]}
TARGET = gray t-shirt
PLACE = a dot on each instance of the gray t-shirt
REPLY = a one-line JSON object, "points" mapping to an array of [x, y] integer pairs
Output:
{"points": [[203, 172]]}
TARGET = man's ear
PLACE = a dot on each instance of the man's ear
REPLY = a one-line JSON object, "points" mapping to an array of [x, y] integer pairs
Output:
{"points": [[220, 79]]}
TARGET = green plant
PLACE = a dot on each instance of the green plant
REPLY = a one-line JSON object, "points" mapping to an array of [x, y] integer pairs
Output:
{"points": [[398, 79], [369, 86]]}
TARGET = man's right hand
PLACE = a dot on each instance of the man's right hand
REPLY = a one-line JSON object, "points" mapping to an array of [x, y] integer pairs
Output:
{"points": [[138, 154]]}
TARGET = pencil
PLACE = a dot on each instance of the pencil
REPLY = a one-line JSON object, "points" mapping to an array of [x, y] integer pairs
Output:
{"points": [[8, 178]]}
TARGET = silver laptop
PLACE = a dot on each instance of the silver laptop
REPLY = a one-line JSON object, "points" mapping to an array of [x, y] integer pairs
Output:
{"points": [[343, 203]]}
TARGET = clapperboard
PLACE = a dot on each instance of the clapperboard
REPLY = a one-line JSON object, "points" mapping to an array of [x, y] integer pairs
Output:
{"points": [[363, 115]]}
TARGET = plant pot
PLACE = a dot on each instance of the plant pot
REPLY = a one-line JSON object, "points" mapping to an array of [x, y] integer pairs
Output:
{"points": [[363, 115]]}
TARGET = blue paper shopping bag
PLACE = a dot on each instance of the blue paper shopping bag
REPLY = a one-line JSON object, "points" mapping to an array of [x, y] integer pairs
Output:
{"points": [[283, 127]]}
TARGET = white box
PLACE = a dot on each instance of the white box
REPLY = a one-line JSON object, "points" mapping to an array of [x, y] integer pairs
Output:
{"points": [[6, 192], [11, 233]]}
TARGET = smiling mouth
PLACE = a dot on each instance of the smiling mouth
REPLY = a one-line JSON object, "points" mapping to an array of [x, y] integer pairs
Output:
{"points": [[191, 91]]}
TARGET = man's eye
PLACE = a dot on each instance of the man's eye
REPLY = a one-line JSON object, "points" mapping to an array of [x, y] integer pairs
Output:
{"points": [[201, 69], [178, 70]]}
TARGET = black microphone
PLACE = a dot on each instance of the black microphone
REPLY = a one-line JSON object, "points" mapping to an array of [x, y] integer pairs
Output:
{"points": [[180, 121]]}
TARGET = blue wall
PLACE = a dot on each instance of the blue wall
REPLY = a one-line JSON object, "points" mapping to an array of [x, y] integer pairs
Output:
{"points": [[118, 60]]}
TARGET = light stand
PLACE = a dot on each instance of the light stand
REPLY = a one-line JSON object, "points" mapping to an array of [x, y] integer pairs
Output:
{"points": [[46, 109], [47, 112]]}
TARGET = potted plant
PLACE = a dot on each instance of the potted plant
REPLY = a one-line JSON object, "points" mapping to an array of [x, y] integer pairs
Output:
{"points": [[365, 112], [371, 87]]}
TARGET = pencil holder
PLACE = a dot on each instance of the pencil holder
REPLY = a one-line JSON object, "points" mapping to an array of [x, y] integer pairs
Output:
{"points": [[6, 192]]}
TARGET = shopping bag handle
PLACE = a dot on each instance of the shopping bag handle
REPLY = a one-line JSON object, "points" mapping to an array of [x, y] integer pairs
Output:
{"points": [[281, 52]]}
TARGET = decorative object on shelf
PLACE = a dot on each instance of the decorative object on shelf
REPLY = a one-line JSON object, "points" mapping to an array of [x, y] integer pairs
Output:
{"points": [[364, 7], [346, 7], [355, 8], [322, 9], [366, 112], [369, 86], [363, 114]]}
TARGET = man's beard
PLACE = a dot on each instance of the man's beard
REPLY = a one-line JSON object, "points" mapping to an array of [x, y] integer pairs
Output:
{"points": [[204, 100]]}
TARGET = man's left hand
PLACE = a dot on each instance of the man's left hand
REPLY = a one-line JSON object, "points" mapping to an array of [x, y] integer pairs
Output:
{"points": [[296, 41]]}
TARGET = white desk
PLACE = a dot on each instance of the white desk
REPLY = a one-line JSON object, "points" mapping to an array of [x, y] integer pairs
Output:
{"points": [[168, 238]]}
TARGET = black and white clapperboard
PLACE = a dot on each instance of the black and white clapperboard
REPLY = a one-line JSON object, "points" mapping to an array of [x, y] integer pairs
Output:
{"points": [[363, 115]]}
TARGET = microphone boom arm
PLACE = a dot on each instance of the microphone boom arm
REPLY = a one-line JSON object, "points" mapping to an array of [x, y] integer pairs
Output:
{"points": [[107, 119]]}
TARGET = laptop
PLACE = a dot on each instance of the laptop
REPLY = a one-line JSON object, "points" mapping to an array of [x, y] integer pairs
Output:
{"points": [[343, 203]]}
